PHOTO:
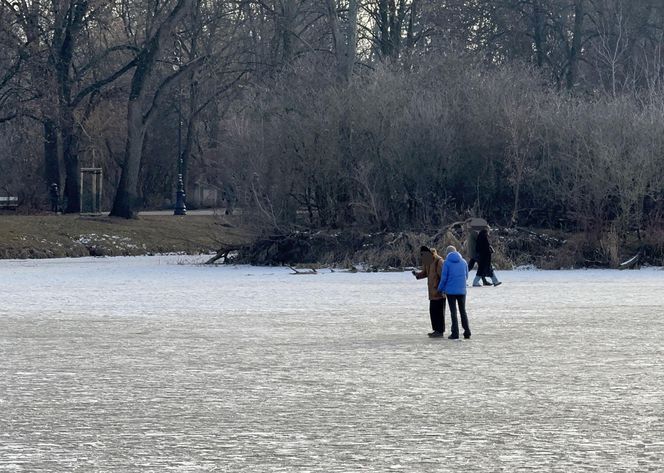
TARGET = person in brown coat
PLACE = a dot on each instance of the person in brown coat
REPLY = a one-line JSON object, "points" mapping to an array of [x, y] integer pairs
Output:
{"points": [[432, 267]]}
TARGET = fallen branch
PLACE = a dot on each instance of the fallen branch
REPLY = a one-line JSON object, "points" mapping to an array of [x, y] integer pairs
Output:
{"points": [[631, 263], [223, 253], [308, 271]]}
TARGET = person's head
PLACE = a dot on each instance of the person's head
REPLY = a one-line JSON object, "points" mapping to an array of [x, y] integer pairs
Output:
{"points": [[450, 249], [426, 255], [484, 231]]}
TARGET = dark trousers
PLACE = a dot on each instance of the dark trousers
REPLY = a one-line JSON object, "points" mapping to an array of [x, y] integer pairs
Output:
{"points": [[437, 314], [460, 301]]}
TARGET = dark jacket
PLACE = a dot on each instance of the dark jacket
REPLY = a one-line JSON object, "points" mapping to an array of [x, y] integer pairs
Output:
{"points": [[484, 250]]}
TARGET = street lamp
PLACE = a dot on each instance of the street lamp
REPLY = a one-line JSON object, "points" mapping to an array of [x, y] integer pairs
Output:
{"points": [[180, 196]]}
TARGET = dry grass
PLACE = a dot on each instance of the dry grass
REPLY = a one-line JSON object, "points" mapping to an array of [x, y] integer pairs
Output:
{"points": [[50, 236]]}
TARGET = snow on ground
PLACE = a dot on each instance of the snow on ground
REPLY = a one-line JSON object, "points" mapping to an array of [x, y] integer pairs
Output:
{"points": [[154, 364]]}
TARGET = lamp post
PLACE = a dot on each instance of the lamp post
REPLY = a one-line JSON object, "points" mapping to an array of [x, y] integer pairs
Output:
{"points": [[180, 196]]}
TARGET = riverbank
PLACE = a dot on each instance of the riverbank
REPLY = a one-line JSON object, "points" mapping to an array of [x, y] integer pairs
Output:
{"points": [[58, 236], [514, 247], [51, 236]]}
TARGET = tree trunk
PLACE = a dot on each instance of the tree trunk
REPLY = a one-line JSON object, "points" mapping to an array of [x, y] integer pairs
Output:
{"points": [[51, 161], [192, 116], [335, 28], [517, 192], [384, 29], [345, 46], [345, 51], [69, 135], [191, 132], [285, 22], [395, 29], [410, 33], [575, 50], [351, 43], [538, 26], [65, 36], [126, 197]]}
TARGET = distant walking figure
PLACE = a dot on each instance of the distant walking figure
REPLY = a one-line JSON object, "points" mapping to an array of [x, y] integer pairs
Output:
{"points": [[432, 267], [471, 248], [484, 266], [453, 285], [54, 196]]}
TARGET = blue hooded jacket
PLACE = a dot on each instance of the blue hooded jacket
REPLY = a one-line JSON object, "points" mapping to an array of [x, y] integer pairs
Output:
{"points": [[455, 274]]}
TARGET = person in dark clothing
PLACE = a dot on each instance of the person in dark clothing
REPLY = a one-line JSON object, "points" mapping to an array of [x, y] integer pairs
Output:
{"points": [[484, 266], [432, 266], [471, 249], [453, 285], [54, 197]]}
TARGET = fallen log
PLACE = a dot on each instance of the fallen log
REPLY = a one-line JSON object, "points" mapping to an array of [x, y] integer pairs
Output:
{"points": [[223, 253], [632, 263], [307, 271]]}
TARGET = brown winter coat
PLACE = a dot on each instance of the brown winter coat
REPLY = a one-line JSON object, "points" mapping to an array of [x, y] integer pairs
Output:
{"points": [[433, 272]]}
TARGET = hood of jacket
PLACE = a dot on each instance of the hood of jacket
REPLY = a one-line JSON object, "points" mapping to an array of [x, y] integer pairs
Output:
{"points": [[454, 257]]}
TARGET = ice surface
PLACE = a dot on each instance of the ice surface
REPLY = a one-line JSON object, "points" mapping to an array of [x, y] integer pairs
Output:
{"points": [[154, 364]]}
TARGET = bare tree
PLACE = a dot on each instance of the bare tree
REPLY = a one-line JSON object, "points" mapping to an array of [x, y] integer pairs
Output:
{"points": [[143, 101], [611, 44], [59, 74]]}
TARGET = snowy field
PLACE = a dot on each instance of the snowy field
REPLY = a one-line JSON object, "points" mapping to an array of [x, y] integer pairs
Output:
{"points": [[156, 364]]}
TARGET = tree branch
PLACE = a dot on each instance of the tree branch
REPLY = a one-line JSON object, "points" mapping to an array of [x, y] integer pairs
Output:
{"points": [[156, 99], [99, 84], [95, 61], [8, 117]]}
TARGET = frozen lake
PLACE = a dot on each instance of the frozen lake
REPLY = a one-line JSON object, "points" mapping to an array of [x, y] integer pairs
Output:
{"points": [[157, 365]]}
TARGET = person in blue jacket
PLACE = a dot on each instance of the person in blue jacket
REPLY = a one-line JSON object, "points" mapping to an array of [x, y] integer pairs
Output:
{"points": [[453, 285]]}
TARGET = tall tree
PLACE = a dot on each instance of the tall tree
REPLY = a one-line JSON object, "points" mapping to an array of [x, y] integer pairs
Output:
{"points": [[143, 101], [344, 43], [574, 46], [62, 77]]}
